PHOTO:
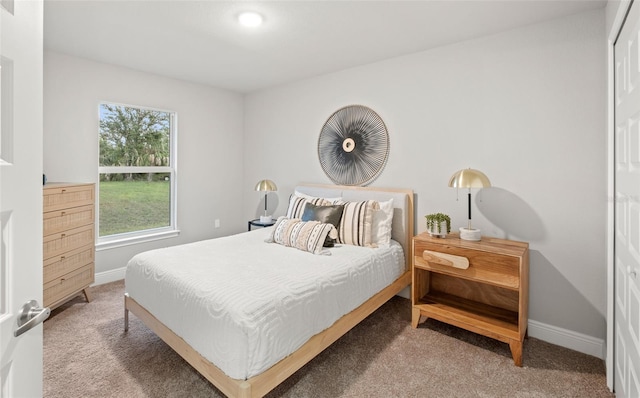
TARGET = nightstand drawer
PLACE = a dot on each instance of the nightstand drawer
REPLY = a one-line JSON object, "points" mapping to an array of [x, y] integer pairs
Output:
{"points": [[486, 267]]}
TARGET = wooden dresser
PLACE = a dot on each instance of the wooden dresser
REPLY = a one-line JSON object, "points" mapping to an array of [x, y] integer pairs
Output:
{"points": [[69, 241], [480, 286]]}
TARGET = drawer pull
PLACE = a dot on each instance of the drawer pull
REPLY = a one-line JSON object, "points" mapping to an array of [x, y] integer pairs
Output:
{"points": [[449, 260], [62, 257], [63, 235]]}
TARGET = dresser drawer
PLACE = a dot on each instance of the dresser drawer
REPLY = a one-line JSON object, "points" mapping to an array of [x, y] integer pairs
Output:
{"points": [[57, 244], [68, 284], [60, 196], [57, 266], [62, 220], [487, 267]]}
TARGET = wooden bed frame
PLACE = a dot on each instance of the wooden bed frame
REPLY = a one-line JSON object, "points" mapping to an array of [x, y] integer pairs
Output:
{"points": [[260, 385]]}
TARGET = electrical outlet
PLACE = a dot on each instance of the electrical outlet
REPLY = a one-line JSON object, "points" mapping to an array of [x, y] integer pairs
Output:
{"points": [[217, 223]]}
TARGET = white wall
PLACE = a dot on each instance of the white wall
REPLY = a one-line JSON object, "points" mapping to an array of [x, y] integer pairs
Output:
{"points": [[209, 142], [527, 107]]}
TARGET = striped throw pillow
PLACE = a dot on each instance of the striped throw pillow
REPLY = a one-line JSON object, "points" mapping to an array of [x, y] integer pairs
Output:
{"points": [[308, 236], [355, 225]]}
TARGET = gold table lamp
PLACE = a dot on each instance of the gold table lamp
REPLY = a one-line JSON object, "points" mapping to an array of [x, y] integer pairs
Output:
{"points": [[469, 178], [266, 186]]}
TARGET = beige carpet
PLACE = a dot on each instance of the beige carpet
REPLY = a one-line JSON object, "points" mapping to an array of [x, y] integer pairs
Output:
{"points": [[87, 354]]}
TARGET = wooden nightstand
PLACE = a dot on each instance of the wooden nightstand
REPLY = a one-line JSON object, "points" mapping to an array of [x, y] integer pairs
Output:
{"points": [[489, 297]]}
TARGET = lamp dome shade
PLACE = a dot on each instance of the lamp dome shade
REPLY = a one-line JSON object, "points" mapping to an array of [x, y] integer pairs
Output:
{"points": [[266, 185], [469, 178]]}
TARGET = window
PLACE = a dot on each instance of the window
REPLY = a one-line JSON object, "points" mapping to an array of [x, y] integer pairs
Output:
{"points": [[137, 195]]}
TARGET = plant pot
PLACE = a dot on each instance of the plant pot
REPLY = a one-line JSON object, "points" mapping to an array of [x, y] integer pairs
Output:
{"points": [[438, 232]]}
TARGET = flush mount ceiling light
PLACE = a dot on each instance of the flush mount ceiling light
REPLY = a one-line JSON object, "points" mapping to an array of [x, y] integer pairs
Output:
{"points": [[250, 19]]}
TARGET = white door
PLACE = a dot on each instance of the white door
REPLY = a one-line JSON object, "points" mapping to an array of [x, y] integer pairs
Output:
{"points": [[21, 56], [627, 208]]}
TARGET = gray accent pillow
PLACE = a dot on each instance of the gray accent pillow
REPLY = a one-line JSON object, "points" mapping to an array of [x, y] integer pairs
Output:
{"points": [[325, 214]]}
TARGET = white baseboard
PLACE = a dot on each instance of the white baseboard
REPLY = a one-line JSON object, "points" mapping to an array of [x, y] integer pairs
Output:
{"points": [[552, 334], [109, 276], [569, 339]]}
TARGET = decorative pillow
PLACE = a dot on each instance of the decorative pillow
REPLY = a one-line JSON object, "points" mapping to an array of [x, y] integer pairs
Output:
{"points": [[296, 204], [304, 235], [381, 224], [355, 225], [325, 214]]}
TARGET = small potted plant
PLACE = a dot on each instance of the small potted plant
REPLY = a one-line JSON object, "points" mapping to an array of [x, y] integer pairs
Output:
{"points": [[438, 224]]}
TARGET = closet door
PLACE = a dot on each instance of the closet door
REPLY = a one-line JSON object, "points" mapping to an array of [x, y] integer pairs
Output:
{"points": [[627, 208]]}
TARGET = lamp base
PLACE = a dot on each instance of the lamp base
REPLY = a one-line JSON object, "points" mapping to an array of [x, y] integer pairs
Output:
{"points": [[265, 219], [469, 234]]}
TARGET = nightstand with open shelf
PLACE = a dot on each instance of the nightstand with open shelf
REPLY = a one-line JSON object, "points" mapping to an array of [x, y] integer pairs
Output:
{"points": [[481, 286]]}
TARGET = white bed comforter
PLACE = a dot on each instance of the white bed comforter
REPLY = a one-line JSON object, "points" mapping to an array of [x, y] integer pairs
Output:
{"points": [[245, 304]]}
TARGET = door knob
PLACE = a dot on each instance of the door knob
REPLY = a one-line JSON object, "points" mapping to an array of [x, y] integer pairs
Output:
{"points": [[29, 316]]}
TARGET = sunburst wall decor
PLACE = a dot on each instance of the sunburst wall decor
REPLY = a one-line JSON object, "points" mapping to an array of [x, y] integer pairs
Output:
{"points": [[353, 146]]}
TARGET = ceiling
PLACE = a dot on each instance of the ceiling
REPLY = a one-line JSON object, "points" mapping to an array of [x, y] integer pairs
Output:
{"points": [[201, 41]]}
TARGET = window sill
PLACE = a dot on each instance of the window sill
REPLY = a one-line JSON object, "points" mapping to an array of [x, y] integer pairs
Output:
{"points": [[113, 243]]}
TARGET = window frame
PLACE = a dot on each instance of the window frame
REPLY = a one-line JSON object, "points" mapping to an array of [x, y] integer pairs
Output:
{"points": [[146, 235]]}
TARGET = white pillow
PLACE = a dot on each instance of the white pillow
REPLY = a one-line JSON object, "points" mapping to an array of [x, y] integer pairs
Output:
{"points": [[304, 195], [381, 224]]}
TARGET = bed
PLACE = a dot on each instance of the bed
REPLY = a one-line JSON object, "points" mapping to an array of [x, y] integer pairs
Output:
{"points": [[247, 314]]}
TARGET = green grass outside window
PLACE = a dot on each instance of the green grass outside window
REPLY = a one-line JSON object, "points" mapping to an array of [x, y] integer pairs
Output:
{"points": [[127, 206]]}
